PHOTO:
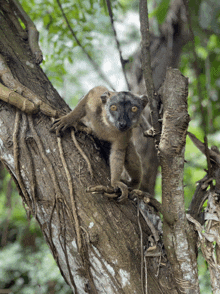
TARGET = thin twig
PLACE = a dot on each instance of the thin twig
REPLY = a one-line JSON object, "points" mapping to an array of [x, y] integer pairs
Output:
{"points": [[94, 64], [146, 280], [208, 90], [81, 152], [123, 62]]}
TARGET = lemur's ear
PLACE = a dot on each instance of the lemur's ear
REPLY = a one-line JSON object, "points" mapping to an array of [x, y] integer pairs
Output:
{"points": [[144, 99], [105, 96]]}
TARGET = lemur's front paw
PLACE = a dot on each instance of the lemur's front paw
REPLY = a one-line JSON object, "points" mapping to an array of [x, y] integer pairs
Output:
{"points": [[60, 124], [123, 188]]}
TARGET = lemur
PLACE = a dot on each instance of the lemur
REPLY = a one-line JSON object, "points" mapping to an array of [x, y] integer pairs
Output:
{"points": [[111, 116]]}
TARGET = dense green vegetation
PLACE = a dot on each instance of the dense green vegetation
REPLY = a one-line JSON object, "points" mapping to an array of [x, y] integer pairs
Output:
{"points": [[24, 254]]}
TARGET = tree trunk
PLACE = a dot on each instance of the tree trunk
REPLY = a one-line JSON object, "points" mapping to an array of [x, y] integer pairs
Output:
{"points": [[165, 51], [179, 238], [97, 243]]}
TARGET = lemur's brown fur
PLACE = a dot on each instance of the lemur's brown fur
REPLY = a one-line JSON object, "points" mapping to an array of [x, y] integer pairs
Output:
{"points": [[111, 116]]}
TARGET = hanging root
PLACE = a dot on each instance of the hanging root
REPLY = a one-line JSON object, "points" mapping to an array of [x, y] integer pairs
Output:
{"points": [[16, 159], [73, 201], [81, 152], [29, 163]]}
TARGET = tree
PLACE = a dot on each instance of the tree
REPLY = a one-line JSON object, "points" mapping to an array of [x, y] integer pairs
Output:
{"points": [[97, 243]]}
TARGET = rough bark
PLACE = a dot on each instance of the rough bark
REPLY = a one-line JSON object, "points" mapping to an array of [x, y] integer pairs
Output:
{"points": [[165, 51], [96, 242], [179, 238]]}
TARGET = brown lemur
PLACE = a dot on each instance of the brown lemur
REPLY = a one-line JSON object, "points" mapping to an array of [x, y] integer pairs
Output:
{"points": [[111, 116]]}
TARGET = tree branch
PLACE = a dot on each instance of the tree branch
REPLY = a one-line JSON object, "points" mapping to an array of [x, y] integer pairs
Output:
{"points": [[94, 64], [200, 194], [110, 237], [146, 67], [179, 238], [33, 34], [199, 89], [123, 62], [20, 96]]}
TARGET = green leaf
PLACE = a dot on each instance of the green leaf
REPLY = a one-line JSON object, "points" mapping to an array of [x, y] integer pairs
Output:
{"points": [[161, 11], [202, 52]]}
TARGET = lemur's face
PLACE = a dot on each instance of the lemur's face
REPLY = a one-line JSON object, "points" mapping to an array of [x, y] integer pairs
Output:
{"points": [[124, 110]]}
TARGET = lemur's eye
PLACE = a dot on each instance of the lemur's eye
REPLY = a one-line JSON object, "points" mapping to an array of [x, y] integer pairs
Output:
{"points": [[134, 109], [113, 107]]}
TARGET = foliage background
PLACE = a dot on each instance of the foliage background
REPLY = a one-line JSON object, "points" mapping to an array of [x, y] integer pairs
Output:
{"points": [[26, 264]]}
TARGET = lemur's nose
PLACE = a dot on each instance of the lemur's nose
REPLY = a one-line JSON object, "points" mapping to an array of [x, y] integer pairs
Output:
{"points": [[122, 124]]}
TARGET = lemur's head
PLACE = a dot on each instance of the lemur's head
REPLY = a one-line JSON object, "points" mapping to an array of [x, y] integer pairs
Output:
{"points": [[123, 109]]}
